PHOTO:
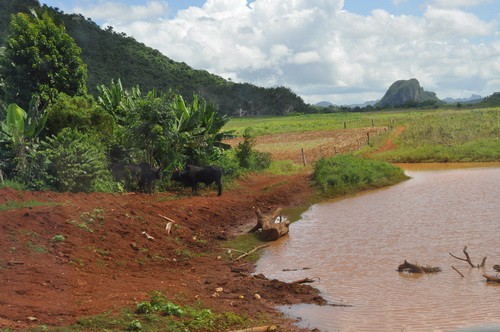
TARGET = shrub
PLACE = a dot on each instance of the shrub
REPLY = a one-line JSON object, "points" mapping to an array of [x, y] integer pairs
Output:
{"points": [[76, 162], [249, 158]]}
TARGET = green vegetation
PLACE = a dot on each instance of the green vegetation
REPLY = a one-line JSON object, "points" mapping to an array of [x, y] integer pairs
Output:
{"points": [[58, 238], [88, 219], [439, 135], [347, 174], [40, 59], [14, 205], [448, 136], [160, 314]]}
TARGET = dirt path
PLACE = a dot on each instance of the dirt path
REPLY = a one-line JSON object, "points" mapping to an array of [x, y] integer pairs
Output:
{"points": [[389, 144], [106, 262]]}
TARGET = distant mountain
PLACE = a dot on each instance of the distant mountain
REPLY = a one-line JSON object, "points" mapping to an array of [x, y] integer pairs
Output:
{"points": [[323, 104], [473, 99], [366, 103], [407, 93]]}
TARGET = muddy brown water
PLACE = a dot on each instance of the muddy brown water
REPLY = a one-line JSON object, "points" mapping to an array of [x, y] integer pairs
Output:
{"points": [[353, 247]]}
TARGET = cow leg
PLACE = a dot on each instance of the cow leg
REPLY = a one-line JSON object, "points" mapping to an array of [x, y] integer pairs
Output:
{"points": [[195, 189], [219, 187]]}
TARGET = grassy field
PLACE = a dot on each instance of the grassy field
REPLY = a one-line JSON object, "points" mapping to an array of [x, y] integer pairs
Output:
{"points": [[438, 135]]}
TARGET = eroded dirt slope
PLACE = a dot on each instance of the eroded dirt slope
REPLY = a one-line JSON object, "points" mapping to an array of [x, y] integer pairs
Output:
{"points": [[106, 262]]}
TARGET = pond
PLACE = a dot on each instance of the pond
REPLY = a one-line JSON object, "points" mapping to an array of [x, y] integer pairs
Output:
{"points": [[353, 247]]}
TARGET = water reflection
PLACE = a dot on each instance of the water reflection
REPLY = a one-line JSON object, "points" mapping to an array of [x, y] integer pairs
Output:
{"points": [[355, 245]]}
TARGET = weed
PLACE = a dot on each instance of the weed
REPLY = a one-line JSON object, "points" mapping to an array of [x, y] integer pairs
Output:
{"points": [[58, 238]]}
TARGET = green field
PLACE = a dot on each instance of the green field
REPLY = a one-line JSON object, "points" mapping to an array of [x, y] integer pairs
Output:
{"points": [[438, 135]]}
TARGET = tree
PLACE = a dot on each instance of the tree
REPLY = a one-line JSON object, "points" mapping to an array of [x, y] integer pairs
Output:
{"points": [[40, 59]]}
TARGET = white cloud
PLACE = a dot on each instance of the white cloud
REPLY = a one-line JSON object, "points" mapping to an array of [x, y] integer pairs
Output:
{"points": [[320, 50]]}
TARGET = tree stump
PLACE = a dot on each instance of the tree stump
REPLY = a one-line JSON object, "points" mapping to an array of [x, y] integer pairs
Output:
{"points": [[271, 230]]}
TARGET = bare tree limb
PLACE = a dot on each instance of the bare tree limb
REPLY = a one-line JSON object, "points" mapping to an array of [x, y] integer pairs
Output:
{"points": [[252, 251], [166, 218], [259, 329], [457, 271], [302, 281], [467, 258]]}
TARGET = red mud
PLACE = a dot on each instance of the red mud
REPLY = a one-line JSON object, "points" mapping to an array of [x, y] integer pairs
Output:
{"points": [[112, 265]]}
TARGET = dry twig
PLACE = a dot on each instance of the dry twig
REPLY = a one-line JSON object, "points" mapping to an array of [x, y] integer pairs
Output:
{"points": [[457, 271], [252, 251]]}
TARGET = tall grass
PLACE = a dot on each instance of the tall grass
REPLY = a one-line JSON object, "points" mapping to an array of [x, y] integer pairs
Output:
{"points": [[301, 123], [347, 174], [449, 136], [437, 135]]}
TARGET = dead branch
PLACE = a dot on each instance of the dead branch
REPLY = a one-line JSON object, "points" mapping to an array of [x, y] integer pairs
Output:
{"points": [[491, 278], [302, 281], [415, 268], [467, 258], [166, 218], [457, 271], [168, 227], [149, 237], [259, 329], [252, 251]]}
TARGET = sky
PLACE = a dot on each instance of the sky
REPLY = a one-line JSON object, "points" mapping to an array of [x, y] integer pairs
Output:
{"points": [[341, 51]]}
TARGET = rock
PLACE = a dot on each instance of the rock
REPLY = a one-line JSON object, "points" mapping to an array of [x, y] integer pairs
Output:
{"points": [[404, 92]]}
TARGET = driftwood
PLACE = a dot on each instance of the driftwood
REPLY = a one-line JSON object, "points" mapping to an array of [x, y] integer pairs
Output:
{"points": [[259, 329], [415, 268], [303, 281], [468, 260], [252, 251], [270, 230], [454, 268], [490, 278]]}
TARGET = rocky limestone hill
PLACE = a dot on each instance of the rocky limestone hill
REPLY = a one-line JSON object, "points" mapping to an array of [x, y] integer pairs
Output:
{"points": [[405, 92]]}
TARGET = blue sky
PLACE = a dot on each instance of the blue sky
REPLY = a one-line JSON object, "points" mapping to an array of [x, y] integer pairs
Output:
{"points": [[340, 51]]}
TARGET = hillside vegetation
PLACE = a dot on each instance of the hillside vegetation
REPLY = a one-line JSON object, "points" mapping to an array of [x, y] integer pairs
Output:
{"points": [[112, 55]]}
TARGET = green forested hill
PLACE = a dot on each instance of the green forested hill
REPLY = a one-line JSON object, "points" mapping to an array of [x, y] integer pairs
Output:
{"points": [[111, 55]]}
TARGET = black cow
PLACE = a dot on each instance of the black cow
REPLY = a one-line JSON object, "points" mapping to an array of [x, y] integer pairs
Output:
{"points": [[192, 175], [143, 174]]}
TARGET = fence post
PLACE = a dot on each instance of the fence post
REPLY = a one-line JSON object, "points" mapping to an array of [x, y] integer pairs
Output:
{"points": [[304, 161]]}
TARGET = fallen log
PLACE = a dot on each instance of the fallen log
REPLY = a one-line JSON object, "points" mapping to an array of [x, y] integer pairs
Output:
{"points": [[259, 329], [415, 268], [490, 278], [270, 230], [303, 281]]}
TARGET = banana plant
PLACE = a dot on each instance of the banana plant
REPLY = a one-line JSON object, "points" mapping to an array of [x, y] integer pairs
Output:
{"points": [[21, 126], [198, 129]]}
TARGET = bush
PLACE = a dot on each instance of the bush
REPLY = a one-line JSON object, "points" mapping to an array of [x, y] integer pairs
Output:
{"points": [[76, 162], [79, 113], [249, 158], [346, 174]]}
